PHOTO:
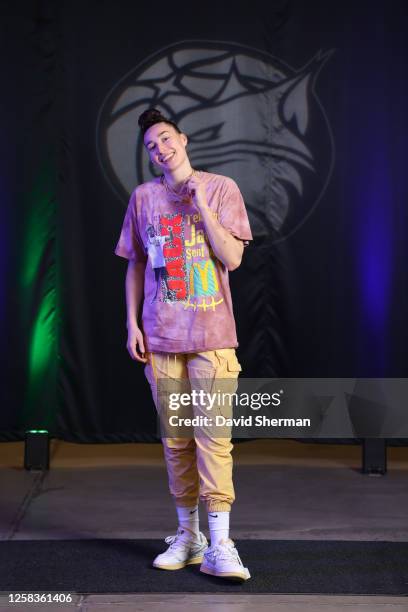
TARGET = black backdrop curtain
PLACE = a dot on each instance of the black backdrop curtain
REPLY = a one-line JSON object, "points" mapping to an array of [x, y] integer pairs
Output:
{"points": [[303, 104]]}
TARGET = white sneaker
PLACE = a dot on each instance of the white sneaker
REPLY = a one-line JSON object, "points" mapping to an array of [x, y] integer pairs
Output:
{"points": [[183, 550], [223, 560]]}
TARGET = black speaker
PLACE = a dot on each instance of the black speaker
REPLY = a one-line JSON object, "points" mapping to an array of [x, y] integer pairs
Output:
{"points": [[374, 456], [37, 450]]}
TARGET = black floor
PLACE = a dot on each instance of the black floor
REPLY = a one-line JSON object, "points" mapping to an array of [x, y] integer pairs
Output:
{"points": [[121, 566]]}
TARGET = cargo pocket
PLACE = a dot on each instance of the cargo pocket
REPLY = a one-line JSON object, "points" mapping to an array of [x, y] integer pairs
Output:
{"points": [[227, 380], [229, 364]]}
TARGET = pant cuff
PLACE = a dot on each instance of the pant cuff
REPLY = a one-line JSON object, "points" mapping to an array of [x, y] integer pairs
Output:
{"points": [[214, 506]]}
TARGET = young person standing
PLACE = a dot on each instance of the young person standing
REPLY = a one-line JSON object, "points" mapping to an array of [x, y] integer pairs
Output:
{"points": [[182, 233]]}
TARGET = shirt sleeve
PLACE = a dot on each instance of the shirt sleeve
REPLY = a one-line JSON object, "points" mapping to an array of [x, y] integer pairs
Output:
{"points": [[130, 244], [232, 213]]}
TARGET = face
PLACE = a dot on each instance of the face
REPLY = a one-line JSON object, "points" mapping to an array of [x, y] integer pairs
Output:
{"points": [[166, 147]]}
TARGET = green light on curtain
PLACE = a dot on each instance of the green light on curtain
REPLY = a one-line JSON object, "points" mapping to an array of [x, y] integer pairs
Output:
{"points": [[36, 235], [39, 299], [42, 350]]}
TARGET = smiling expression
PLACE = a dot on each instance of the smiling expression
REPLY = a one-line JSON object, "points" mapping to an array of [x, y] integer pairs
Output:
{"points": [[166, 146]]}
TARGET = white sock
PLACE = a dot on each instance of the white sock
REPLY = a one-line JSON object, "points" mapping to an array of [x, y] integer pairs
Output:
{"points": [[218, 523], [188, 519]]}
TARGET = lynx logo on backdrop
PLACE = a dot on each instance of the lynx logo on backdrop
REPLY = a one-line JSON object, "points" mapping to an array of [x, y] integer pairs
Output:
{"points": [[247, 115]]}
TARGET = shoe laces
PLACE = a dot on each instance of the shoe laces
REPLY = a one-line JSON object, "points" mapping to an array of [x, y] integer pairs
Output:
{"points": [[223, 552], [176, 540]]}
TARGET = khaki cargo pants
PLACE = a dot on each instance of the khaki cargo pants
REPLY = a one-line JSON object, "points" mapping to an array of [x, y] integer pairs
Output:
{"points": [[199, 466]]}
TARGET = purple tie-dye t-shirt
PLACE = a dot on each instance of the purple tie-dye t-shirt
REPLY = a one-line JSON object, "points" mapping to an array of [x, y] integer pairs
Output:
{"points": [[187, 301]]}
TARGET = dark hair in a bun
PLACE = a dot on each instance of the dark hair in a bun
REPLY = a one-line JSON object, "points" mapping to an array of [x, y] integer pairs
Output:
{"points": [[151, 116]]}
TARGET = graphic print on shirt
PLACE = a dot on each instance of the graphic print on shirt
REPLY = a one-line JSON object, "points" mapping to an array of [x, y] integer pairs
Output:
{"points": [[155, 254], [174, 281], [183, 262]]}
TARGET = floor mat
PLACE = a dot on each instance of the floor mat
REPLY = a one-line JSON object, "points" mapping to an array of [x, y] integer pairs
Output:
{"points": [[276, 566]]}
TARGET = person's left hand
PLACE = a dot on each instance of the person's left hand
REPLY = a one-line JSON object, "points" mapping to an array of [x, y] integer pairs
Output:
{"points": [[198, 193]]}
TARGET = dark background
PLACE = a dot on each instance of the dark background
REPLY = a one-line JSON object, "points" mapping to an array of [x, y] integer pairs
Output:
{"points": [[330, 301]]}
